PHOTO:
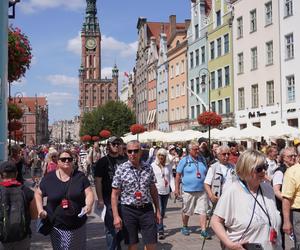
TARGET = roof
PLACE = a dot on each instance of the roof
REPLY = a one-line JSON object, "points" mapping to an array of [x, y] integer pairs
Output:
{"points": [[31, 102]]}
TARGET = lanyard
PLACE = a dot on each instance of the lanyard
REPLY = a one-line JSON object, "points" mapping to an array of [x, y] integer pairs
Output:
{"points": [[196, 164], [256, 201]]}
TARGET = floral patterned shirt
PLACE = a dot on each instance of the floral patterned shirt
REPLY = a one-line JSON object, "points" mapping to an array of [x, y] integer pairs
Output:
{"points": [[129, 180]]}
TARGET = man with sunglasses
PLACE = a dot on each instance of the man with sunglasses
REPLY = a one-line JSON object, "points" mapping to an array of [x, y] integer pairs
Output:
{"points": [[220, 175], [134, 183], [104, 173]]}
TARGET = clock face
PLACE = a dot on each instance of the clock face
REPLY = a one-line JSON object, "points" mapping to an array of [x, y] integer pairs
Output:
{"points": [[90, 43]]}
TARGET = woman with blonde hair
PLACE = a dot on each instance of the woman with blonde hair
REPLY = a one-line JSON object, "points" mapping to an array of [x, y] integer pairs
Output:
{"points": [[164, 183], [246, 213]]}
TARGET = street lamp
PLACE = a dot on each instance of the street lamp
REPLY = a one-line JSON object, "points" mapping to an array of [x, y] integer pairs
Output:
{"points": [[203, 73], [20, 96]]}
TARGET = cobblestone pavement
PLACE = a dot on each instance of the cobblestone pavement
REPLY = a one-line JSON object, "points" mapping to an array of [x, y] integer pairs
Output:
{"points": [[174, 240]]}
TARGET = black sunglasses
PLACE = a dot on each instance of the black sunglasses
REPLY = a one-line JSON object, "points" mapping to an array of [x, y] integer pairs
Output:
{"points": [[64, 159], [260, 168], [115, 144], [224, 154], [130, 151]]}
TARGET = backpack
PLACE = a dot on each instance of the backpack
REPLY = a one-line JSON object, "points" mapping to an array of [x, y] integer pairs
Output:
{"points": [[14, 220]]}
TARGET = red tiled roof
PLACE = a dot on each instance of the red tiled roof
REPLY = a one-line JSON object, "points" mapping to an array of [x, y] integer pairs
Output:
{"points": [[31, 102]]}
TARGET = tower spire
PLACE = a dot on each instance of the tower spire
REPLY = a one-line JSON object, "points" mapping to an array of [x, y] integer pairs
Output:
{"points": [[91, 23]]}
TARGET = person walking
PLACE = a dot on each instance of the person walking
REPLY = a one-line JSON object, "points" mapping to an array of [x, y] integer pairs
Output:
{"points": [[164, 182], [104, 173], [134, 184], [246, 213], [192, 171], [68, 199]]}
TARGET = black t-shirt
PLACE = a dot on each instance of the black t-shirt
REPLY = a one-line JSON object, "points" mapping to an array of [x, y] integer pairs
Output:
{"points": [[105, 168], [73, 190]]}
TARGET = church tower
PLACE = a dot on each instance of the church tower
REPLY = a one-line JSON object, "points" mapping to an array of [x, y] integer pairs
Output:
{"points": [[93, 91]]}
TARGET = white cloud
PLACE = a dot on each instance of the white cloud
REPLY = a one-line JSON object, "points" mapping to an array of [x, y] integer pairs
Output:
{"points": [[109, 45], [32, 6], [106, 72], [21, 82], [62, 80], [58, 98]]}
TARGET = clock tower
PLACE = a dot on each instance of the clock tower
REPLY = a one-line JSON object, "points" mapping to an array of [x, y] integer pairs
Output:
{"points": [[93, 91]]}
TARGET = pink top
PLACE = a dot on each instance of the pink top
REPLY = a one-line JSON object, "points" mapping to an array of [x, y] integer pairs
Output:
{"points": [[52, 166]]}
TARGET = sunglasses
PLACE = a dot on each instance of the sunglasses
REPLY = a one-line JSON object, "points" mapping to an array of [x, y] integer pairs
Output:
{"points": [[64, 159], [291, 156], [135, 151], [224, 154], [262, 167], [115, 144]]}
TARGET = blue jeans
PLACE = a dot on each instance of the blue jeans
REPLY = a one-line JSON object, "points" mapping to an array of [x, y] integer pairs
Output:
{"points": [[163, 201]]}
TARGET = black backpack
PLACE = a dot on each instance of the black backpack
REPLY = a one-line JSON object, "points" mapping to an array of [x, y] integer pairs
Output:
{"points": [[14, 217]]}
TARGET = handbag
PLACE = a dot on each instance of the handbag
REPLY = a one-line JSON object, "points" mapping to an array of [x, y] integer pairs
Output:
{"points": [[44, 226]]}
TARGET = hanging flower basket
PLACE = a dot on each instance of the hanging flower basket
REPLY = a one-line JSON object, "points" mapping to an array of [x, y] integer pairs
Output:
{"points": [[17, 135], [14, 125], [137, 129], [105, 133], [14, 111], [95, 138], [86, 138], [209, 118], [19, 54]]}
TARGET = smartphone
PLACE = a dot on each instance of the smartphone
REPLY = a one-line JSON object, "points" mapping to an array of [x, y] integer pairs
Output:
{"points": [[253, 246]]}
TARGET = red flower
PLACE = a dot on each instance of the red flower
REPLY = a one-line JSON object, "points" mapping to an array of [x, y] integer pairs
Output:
{"points": [[14, 111], [105, 133], [86, 138], [14, 125], [17, 135], [137, 129], [95, 138], [209, 118]]}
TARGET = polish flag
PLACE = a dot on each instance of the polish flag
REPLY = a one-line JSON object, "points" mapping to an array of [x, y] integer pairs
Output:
{"points": [[126, 74]]}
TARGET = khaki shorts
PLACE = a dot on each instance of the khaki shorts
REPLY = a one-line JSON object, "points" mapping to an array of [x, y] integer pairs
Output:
{"points": [[194, 202]]}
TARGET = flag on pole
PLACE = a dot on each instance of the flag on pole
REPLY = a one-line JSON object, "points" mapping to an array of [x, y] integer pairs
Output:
{"points": [[126, 74]]}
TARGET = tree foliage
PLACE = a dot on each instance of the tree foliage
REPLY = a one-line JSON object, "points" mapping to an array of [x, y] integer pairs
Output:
{"points": [[114, 116]]}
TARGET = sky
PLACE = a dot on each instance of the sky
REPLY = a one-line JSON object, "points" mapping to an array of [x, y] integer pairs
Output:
{"points": [[53, 28]]}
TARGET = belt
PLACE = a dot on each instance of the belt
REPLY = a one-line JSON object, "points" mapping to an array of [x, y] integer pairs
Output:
{"points": [[296, 209], [142, 206]]}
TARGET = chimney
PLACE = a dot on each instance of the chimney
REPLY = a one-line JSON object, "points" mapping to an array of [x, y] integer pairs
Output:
{"points": [[172, 19]]}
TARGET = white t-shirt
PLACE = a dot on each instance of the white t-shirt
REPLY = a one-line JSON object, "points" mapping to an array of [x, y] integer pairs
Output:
{"points": [[236, 207], [277, 178], [227, 171], [163, 176], [272, 167]]}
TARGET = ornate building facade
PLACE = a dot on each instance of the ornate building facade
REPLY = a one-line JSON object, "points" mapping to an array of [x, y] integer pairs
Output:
{"points": [[94, 91]]}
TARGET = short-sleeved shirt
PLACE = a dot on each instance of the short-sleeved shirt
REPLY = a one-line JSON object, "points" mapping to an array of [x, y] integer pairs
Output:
{"points": [[291, 185], [56, 190], [236, 205], [130, 179], [188, 168], [105, 169]]}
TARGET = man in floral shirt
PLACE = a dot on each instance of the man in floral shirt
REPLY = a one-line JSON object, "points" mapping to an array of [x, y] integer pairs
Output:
{"points": [[134, 182]]}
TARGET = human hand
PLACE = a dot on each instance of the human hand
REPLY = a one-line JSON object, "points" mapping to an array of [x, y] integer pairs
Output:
{"points": [[117, 223], [158, 216], [100, 204], [87, 209], [43, 214], [176, 193], [287, 227], [214, 199], [237, 245]]}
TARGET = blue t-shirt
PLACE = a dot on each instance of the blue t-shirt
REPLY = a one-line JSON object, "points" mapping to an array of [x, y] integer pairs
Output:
{"points": [[188, 168]]}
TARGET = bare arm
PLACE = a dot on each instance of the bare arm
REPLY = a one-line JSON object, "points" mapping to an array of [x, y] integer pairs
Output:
{"points": [[177, 182], [286, 210], [277, 191], [210, 194], [154, 195], [39, 203], [33, 209], [98, 187], [89, 200], [114, 205]]}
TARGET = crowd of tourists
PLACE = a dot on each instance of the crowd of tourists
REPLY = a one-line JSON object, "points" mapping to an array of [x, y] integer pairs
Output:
{"points": [[250, 198]]}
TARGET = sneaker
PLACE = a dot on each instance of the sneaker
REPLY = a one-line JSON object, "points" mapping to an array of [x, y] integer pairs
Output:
{"points": [[185, 231], [205, 235], [161, 236]]}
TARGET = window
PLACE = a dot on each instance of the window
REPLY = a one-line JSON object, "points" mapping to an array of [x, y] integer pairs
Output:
{"points": [[227, 75], [192, 87], [253, 25], [196, 31], [220, 106], [177, 69], [288, 8], [254, 58], [191, 60], [177, 90], [219, 78], [289, 46], [203, 54], [183, 112], [268, 13], [218, 18], [172, 92], [182, 66], [227, 105], [197, 86], [241, 98], [219, 46], [254, 94], [213, 80], [198, 109], [226, 43], [270, 93], [183, 88], [269, 49], [290, 82], [239, 27], [213, 106], [172, 71], [240, 63], [192, 112], [212, 50], [197, 57]]}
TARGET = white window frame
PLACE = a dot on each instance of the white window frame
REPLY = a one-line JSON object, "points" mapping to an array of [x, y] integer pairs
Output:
{"points": [[219, 47], [270, 93], [289, 46], [291, 88], [254, 63], [253, 21], [240, 63], [268, 13], [269, 52], [212, 50], [254, 96], [241, 98], [288, 8], [239, 26]]}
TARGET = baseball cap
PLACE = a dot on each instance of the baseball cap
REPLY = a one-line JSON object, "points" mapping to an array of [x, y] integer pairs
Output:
{"points": [[114, 139], [296, 141], [202, 139], [8, 167], [171, 147]]}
